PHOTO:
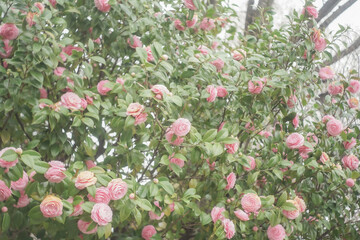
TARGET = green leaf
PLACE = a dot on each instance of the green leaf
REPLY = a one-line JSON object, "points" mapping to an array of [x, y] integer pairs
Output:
{"points": [[36, 216], [41, 167], [5, 222], [97, 170], [78, 165], [210, 135], [142, 54], [92, 190], [98, 59], [9, 155], [129, 122], [221, 135], [300, 171], [288, 206], [217, 149], [137, 216], [88, 121], [177, 100], [87, 206], [103, 179], [205, 218], [38, 76], [167, 187], [229, 140], [91, 45], [144, 204], [278, 173], [282, 199]]}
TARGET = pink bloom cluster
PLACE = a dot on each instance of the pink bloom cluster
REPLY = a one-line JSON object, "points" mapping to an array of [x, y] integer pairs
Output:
{"points": [[214, 92], [179, 128]]}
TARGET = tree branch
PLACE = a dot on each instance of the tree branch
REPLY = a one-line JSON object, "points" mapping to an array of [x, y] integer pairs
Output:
{"points": [[326, 9], [337, 13], [345, 52]]}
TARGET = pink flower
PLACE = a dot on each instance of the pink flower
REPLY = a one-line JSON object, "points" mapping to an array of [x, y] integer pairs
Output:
{"points": [[218, 63], [98, 40], [266, 134], [320, 44], [102, 195], [59, 71], [53, 2], [311, 11], [252, 164], [181, 127], [101, 213], [221, 91], [9, 31], [291, 101], [229, 228], [243, 216], [213, 93], [353, 102], [147, 232], [221, 126], [77, 208], [31, 176], [311, 137], [231, 179], [68, 51], [255, 87], [214, 45], [120, 80], [350, 182], [43, 93], [55, 173], [354, 86], [334, 88], [90, 164], [301, 204], [191, 23], [30, 18], [83, 226], [327, 118], [141, 118], [295, 121], [351, 144], [51, 206], [207, 24], [169, 137], [334, 127], [40, 6], [276, 233], [150, 57], [326, 73], [134, 109], [304, 150], [7, 48], [251, 202], [83, 103], [6, 164], [102, 5], [20, 184], [249, 127], [232, 148], [203, 50], [216, 214], [23, 200], [85, 179], [71, 101], [324, 157], [190, 5], [350, 162], [159, 91], [154, 216], [178, 25], [117, 188], [294, 141], [239, 55], [293, 213], [211, 165], [177, 161], [134, 42], [101, 87], [5, 191]]}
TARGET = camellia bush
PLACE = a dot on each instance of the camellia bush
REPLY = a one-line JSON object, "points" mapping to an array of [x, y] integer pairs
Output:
{"points": [[161, 120]]}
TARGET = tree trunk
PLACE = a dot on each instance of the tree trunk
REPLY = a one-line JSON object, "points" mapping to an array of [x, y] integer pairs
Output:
{"points": [[326, 9], [337, 13], [251, 13]]}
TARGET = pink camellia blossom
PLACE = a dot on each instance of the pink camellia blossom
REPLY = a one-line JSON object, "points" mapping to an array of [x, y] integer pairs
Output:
{"points": [[6, 164], [141, 118], [83, 104], [326, 73], [221, 126], [295, 121], [21, 183], [77, 208], [231, 179], [294, 141], [276, 233], [102, 5], [203, 50], [101, 213], [350, 162], [311, 137], [311, 11], [216, 214], [121, 81], [301, 204], [9, 31], [134, 42], [135, 109], [178, 25], [4, 209], [59, 71], [207, 24], [218, 63], [214, 45], [55, 173], [102, 195], [53, 3], [51, 206], [232, 148], [117, 188], [43, 93], [239, 55], [160, 90], [350, 182], [350, 144], [102, 89], [85, 179], [150, 57], [354, 86], [181, 127], [353, 102], [23, 200], [83, 226], [211, 165], [177, 161], [240, 214], [324, 157], [251, 162], [229, 228], [265, 134], [334, 127], [71, 101], [255, 87], [154, 216], [40, 6], [169, 137], [334, 88], [7, 48], [320, 44], [293, 213], [30, 18], [249, 126], [221, 91], [148, 231], [211, 89], [5, 191], [190, 5], [31, 176], [327, 118], [291, 101], [68, 51], [98, 40], [304, 150], [191, 23], [250, 202], [90, 164]]}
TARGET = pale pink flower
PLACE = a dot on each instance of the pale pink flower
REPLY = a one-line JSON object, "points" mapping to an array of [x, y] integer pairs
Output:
{"points": [[102, 89], [159, 91], [351, 144], [327, 118], [51, 206], [276, 233], [148, 231], [98, 40], [207, 24], [77, 208], [214, 45], [43, 93], [5, 191], [350, 182], [231, 179], [252, 164], [203, 50], [150, 57], [90, 164], [218, 63], [85, 179], [40, 6], [7, 48], [229, 228], [9, 31], [102, 195], [101, 213], [211, 89], [304, 150], [326, 73], [178, 25], [324, 157], [83, 226], [295, 121], [240, 214], [291, 101], [221, 91], [68, 51], [211, 165], [293, 213], [249, 126], [353, 102], [181, 127], [53, 2], [102, 5], [301, 204], [311, 137], [117, 189], [334, 127], [320, 44], [23, 200], [250, 202], [55, 173], [177, 161], [334, 88], [232, 148], [191, 23], [135, 109], [294, 141], [190, 5], [71, 101], [350, 162], [141, 118], [169, 137], [354, 86], [216, 214], [121, 81], [311, 11], [255, 87], [21, 183], [239, 55], [134, 42], [6, 164]]}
